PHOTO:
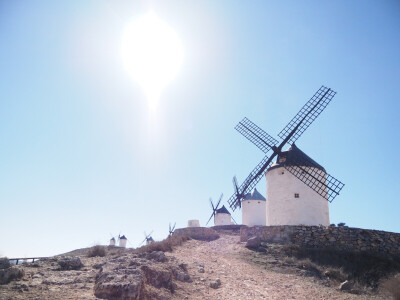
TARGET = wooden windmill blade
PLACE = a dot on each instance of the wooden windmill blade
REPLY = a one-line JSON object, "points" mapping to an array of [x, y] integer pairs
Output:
{"points": [[256, 135], [314, 176], [219, 202], [307, 114], [213, 211], [171, 229], [251, 181]]}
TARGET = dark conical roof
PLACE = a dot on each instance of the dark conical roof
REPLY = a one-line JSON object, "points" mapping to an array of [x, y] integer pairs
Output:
{"points": [[222, 210], [254, 195], [123, 238], [295, 157]]}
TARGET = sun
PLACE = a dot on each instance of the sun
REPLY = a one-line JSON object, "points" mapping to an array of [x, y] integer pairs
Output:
{"points": [[152, 54]]}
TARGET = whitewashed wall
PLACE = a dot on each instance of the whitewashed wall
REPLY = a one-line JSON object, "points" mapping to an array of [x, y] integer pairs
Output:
{"points": [[284, 209], [122, 243], [254, 212], [222, 219]]}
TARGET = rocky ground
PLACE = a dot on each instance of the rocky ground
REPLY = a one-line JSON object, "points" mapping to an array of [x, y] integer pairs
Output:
{"points": [[220, 269]]}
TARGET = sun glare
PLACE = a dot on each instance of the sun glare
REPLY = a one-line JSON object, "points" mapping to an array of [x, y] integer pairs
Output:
{"points": [[152, 54]]}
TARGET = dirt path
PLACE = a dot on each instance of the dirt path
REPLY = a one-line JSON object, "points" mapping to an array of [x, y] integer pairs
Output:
{"points": [[240, 279]]}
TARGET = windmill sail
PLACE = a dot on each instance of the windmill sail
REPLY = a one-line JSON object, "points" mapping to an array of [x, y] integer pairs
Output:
{"points": [[324, 184], [256, 135], [307, 114], [250, 182]]}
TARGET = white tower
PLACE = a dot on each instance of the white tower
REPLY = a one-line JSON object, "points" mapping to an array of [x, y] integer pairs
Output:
{"points": [[122, 241], [193, 223], [222, 217], [254, 209], [289, 200], [112, 242]]}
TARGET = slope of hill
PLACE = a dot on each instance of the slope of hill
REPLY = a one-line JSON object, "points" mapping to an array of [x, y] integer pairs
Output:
{"points": [[219, 269]]}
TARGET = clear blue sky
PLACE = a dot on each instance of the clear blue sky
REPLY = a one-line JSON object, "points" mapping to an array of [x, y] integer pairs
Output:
{"points": [[80, 158]]}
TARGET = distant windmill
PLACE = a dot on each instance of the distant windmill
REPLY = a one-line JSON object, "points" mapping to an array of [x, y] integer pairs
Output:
{"points": [[214, 208], [294, 160], [148, 239], [171, 229]]}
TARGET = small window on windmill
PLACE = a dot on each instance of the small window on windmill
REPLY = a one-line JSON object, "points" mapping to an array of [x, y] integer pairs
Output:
{"points": [[282, 172], [258, 201], [296, 195]]}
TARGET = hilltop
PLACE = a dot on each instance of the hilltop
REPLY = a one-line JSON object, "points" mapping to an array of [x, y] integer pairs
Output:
{"points": [[220, 269]]}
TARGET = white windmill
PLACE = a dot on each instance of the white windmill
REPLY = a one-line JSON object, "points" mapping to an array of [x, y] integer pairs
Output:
{"points": [[298, 189], [254, 209]]}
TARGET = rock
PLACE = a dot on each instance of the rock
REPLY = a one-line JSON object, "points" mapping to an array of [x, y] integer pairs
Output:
{"points": [[70, 263], [4, 263], [345, 286], [158, 277], [12, 273], [215, 284], [114, 282], [200, 269], [253, 242], [157, 256], [98, 266], [183, 267], [181, 276]]}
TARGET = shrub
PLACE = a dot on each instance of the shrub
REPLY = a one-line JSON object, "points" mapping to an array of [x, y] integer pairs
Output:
{"points": [[166, 245], [365, 268], [97, 251], [392, 285]]}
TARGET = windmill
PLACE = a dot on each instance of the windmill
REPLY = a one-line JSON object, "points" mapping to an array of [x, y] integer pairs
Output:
{"points": [[214, 208], [318, 180], [148, 239], [171, 229]]}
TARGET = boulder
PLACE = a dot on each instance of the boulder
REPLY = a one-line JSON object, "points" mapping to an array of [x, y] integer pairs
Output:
{"points": [[70, 263], [215, 284], [114, 282], [157, 256], [158, 277], [253, 242]]}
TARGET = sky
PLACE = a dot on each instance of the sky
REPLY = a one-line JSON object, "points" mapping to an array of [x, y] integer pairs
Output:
{"points": [[84, 157]]}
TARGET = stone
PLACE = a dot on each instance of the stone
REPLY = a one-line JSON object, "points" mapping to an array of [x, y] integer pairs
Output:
{"points": [[4, 263], [183, 267], [119, 283], [215, 284], [345, 286], [70, 263], [179, 275], [253, 242], [200, 269], [158, 277], [12, 273], [157, 256]]}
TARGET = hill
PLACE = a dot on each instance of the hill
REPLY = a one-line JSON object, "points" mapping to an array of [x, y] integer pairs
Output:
{"points": [[220, 269]]}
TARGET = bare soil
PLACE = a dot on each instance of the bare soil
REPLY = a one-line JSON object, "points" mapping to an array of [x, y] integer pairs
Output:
{"points": [[243, 274]]}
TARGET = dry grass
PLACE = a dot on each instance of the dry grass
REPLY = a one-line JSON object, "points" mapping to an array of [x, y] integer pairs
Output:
{"points": [[97, 251], [367, 269], [392, 285], [166, 245]]}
